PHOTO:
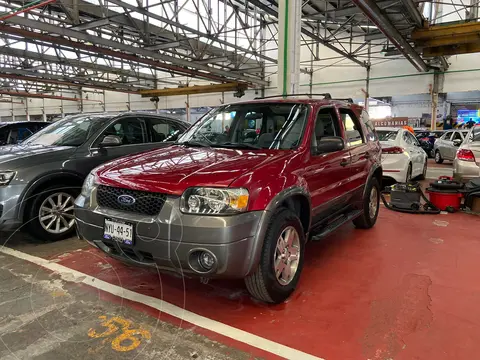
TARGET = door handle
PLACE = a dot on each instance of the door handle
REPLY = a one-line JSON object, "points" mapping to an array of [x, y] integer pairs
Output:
{"points": [[345, 162]]}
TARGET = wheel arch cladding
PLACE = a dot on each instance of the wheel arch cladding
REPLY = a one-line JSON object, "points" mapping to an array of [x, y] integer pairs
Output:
{"points": [[378, 174], [296, 199], [300, 205], [46, 181]]}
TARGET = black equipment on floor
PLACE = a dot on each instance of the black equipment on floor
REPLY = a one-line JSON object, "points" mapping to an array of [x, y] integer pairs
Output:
{"points": [[472, 191], [406, 197]]}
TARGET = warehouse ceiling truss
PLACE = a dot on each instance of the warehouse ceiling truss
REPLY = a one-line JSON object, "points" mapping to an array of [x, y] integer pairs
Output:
{"points": [[133, 45]]}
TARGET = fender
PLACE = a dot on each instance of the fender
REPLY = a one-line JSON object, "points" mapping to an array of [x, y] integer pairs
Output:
{"points": [[40, 180], [267, 216], [374, 168]]}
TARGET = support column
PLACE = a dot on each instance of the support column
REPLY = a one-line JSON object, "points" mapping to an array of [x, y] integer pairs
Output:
{"points": [[187, 108], [44, 113], [367, 88], [289, 25], [436, 88], [26, 110]]}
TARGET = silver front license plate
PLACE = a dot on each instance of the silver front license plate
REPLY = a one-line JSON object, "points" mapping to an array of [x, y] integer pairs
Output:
{"points": [[118, 231]]}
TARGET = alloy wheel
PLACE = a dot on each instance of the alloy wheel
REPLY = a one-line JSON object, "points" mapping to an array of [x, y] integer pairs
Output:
{"points": [[56, 213], [287, 255], [373, 203]]}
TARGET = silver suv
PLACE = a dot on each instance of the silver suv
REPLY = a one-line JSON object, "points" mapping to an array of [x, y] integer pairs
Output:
{"points": [[446, 147]]}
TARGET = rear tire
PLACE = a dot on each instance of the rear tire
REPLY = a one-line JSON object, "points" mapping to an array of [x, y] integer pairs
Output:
{"points": [[438, 157], [50, 217], [269, 283], [371, 206]]}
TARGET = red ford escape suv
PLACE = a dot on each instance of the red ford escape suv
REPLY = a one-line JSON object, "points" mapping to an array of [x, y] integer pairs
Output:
{"points": [[240, 192]]}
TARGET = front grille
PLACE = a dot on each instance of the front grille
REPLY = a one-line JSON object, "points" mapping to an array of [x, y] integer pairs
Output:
{"points": [[146, 203]]}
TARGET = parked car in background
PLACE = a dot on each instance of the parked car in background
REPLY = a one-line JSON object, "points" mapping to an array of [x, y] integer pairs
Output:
{"points": [[427, 140], [444, 148], [402, 157], [466, 165], [235, 205], [40, 178], [18, 131]]}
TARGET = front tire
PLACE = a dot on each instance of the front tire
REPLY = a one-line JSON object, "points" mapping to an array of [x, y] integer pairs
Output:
{"points": [[371, 205], [281, 260], [408, 177], [438, 157], [51, 213]]}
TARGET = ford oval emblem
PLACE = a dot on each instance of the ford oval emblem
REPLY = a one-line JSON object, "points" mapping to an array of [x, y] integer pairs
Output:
{"points": [[126, 200]]}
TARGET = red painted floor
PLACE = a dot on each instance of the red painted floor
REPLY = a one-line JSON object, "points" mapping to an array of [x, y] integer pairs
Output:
{"points": [[406, 289]]}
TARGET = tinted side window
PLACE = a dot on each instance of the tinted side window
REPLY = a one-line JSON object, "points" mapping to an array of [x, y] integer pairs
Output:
{"points": [[129, 130], [352, 127], [164, 130], [371, 133], [407, 138], [326, 124], [448, 136], [413, 139]]}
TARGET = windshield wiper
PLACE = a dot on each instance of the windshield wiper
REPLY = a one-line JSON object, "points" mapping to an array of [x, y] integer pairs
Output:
{"points": [[193, 143], [237, 145]]}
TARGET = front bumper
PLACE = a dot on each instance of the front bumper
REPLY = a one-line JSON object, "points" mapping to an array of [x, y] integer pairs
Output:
{"points": [[465, 170], [171, 239], [10, 207]]}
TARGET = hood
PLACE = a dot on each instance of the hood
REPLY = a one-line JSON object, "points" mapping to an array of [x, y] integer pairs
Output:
{"points": [[172, 170], [14, 156]]}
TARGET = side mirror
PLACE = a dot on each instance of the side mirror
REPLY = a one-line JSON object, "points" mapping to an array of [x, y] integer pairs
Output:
{"points": [[111, 140], [457, 142], [328, 144]]}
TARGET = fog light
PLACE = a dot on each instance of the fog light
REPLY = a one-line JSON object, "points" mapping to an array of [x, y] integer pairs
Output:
{"points": [[206, 260]]}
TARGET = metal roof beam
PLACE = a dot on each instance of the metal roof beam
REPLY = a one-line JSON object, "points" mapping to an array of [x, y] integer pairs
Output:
{"points": [[374, 13], [175, 62], [17, 74], [189, 29], [414, 13], [307, 32], [71, 62]]}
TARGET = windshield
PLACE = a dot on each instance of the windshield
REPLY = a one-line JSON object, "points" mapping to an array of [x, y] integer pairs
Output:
{"points": [[385, 135], [70, 131], [255, 126]]}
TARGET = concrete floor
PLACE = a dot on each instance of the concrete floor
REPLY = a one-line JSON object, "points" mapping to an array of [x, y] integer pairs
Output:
{"points": [[406, 289]]}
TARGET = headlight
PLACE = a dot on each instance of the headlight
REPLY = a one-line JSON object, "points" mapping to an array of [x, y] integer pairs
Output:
{"points": [[214, 201], [88, 185], [6, 177]]}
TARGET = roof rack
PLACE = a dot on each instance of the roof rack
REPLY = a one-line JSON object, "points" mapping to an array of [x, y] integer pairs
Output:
{"points": [[349, 100], [326, 96]]}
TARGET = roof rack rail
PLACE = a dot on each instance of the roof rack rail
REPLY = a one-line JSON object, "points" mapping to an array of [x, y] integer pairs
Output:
{"points": [[326, 96], [349, 100]]}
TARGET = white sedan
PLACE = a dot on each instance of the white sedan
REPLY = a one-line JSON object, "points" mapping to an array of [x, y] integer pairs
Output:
{"points": [[402, 157]]}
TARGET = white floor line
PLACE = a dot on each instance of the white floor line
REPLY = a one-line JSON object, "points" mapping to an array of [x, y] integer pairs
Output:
{"points": [[167, 308]]}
